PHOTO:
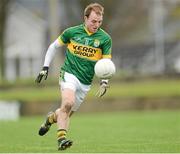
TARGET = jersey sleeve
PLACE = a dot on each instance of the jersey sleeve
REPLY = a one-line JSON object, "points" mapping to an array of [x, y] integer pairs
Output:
{"points": [[107, 48], [64, 38]]}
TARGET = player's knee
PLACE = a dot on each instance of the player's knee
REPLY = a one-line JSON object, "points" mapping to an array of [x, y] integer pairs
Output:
{"points": [[68, 106]]}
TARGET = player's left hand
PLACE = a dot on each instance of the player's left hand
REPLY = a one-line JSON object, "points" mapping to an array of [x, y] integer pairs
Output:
{"points": [[103, 88]]}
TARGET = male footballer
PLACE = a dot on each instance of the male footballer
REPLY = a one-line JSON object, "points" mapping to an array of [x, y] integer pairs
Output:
{"points": [[86, 44]]}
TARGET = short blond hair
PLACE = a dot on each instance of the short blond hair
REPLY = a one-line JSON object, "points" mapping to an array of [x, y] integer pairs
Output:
{"points": [[97, 8]]}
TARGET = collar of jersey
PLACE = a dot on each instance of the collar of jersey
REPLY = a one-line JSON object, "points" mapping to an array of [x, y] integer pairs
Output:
{"points": [[89, 33]]}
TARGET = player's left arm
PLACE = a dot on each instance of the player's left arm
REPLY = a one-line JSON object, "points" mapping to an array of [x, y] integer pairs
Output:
{"points": [[106, 49]]}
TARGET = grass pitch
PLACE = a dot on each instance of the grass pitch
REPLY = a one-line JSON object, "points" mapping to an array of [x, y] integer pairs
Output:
{"points": [[163, 88], [132, 132]]}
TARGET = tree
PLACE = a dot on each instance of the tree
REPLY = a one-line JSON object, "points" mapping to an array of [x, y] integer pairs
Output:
{"points": [[3, 14]]}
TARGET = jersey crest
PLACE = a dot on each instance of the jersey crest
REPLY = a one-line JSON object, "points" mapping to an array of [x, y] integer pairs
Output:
{"points": [[96, 43]]}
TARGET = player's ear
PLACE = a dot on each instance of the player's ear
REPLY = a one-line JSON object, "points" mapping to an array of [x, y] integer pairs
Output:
{"points": [[85, 18]]}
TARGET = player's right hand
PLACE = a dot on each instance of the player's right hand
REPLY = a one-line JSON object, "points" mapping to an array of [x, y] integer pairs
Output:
{"points": [[42, 74]]}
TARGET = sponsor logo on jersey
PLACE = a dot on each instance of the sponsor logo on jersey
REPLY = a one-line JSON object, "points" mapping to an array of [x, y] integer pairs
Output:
{"points": [[85, 51]]}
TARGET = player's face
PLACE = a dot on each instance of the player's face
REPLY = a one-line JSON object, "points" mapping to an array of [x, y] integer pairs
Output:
{"points": [[93, 22]]}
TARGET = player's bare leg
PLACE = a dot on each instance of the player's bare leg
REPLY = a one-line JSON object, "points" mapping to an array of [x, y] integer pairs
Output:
{"points": [[63, 118]]}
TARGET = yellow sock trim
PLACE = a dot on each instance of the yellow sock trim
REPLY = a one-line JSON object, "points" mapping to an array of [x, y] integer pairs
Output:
{"points": [[52, 119], [61, 134]]}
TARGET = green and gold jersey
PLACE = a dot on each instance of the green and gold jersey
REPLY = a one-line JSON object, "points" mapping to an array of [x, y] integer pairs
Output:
{"points": [[84, 50]]}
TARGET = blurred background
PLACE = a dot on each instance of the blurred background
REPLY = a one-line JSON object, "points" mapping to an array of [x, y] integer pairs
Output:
{"points": [[143, 102], [146, 52]]}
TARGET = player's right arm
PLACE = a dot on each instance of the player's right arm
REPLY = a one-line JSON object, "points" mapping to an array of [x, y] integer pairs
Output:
{"points": [[63, 39], [51, 52], [60, 41], [52, 49]]}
